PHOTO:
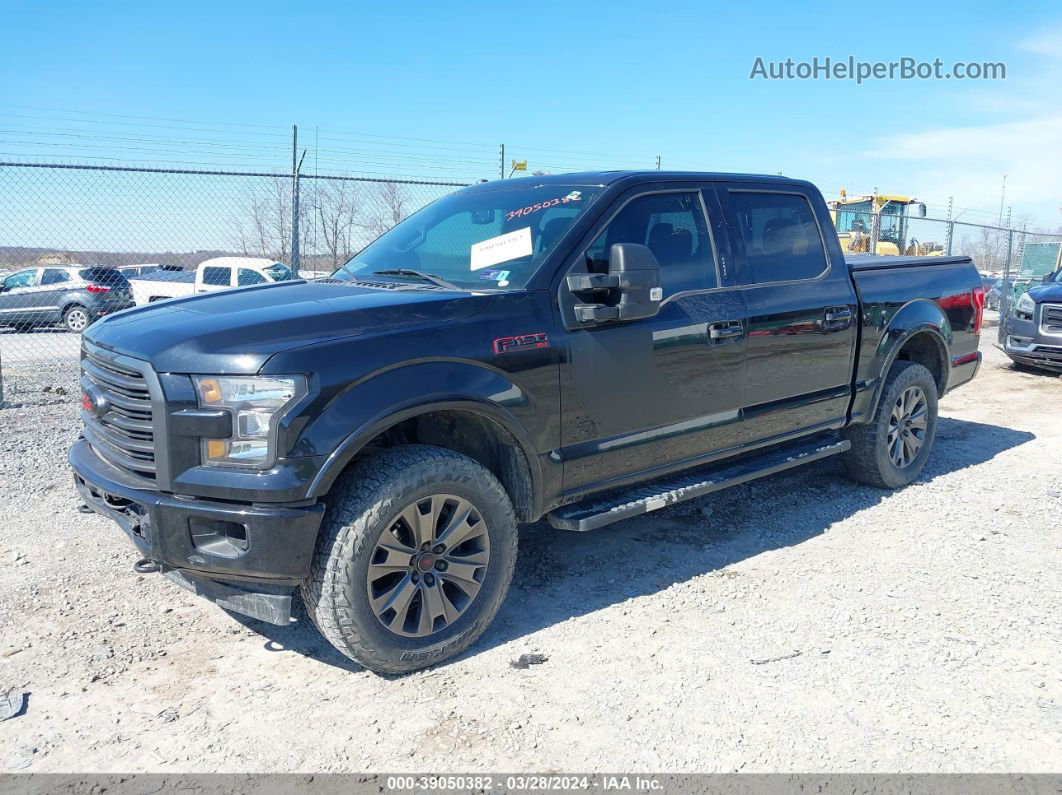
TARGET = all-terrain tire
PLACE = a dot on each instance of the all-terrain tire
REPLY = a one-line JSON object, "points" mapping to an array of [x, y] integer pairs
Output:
{"points": [[869, 461], [364, 504]]}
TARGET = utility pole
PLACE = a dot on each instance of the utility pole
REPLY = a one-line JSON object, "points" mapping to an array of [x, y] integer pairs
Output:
{"points": [[658, 162], [951, 227], [1002, 196], [501, 162], [296, 164]]}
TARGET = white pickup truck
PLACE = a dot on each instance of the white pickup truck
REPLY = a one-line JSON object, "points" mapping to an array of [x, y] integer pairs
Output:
{"points": [[218, 273]]}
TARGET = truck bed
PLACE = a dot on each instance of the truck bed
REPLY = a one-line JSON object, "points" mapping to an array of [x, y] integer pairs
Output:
{"points": [[871, 262]]}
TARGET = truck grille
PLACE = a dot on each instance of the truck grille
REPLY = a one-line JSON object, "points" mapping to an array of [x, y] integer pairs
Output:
{"points": [[1051, 318], [123, 435]]}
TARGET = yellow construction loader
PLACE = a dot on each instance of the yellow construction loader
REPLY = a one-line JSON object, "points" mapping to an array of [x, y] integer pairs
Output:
{"points": [[877, 223]]}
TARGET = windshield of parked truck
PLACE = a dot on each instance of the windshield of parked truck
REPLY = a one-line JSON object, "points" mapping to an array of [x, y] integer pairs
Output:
{"points": [[484, 239]]}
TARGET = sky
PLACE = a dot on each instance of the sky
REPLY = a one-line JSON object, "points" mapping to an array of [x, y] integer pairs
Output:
{"points": [[431, 89]]}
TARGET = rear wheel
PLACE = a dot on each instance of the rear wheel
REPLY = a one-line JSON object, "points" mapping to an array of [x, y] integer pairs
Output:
{"points": [[414, 558], [891, 450], [76, 319]]}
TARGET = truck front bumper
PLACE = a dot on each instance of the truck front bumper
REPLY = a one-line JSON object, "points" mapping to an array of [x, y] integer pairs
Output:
{"points": [[246, 557]]}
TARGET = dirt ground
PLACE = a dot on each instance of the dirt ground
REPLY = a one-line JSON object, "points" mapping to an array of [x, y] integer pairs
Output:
{"points": [[799, 623]]}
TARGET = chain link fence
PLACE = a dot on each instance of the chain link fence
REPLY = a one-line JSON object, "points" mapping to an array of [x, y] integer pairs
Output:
{"points": [[79, 242]]}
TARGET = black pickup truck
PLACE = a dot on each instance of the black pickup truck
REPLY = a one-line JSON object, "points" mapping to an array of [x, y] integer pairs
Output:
{"points": [[581, 347]]}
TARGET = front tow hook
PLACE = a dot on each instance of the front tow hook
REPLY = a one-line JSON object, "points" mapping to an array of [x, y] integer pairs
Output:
{"points": [[146, 566]]}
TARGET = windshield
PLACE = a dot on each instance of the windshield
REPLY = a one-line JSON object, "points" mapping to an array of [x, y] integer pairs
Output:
{"points": [[478, 240]]}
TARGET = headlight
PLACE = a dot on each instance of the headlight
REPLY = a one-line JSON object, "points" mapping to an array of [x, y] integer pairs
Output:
{"points": [[255, 403], [1026, 305]]}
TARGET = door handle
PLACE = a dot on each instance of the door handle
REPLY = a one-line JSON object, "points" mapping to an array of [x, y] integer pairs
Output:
{"points": [[838, 318], [727, 330]]}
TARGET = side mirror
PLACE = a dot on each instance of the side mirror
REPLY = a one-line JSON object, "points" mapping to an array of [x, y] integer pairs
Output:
{"points": [[629, 291]]}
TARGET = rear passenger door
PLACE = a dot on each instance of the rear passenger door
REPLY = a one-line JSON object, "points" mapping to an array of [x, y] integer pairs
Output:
{"points": [[644, 396], [54, 283], [801, 307]]}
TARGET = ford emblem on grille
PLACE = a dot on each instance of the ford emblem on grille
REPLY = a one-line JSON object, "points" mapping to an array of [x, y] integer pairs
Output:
{"points": [[93, 402]]}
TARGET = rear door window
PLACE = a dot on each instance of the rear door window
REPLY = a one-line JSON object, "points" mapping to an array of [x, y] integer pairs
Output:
{"points": [[781, 237], [54, 276], [217, 277]]}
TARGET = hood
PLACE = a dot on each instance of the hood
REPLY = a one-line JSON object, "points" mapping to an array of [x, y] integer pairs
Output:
{"points": [[1046, 292], [236, 331]]}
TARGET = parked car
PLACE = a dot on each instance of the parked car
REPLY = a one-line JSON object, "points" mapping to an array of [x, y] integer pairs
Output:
{"points": [[1032, 333], [213, 274], [129, 271], [74, 295], [581, 347]]}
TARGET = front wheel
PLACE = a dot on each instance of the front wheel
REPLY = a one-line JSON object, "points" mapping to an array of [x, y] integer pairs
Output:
{"points": [[891, 450], [414, 558]]}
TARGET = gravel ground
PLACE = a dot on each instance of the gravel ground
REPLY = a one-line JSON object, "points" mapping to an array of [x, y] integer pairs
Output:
{"points": [[799, 623]]}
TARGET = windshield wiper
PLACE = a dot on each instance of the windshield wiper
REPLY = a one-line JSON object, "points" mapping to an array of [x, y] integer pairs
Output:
{"points": [[428, 277]]}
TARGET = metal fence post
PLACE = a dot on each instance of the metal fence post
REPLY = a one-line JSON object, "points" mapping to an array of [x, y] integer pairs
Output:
{"points": [[875, 224], [295, 199]]}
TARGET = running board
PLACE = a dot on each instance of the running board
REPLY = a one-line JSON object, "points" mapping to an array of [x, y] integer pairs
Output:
{"points": [[597, 512]]}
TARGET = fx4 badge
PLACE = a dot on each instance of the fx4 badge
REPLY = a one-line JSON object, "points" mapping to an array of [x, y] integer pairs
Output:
{"points": [[521, 343]]}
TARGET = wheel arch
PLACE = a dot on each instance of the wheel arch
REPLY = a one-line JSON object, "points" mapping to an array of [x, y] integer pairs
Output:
{"points": [[918, 332], [477, 428]]}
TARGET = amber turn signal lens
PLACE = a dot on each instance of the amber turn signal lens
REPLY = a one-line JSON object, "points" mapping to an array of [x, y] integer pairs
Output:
{"points": [[216, 449], [210, 390]]}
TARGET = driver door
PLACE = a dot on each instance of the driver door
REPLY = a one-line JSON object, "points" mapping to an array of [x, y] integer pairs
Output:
{"points": [[646, 396], [20, 300]]}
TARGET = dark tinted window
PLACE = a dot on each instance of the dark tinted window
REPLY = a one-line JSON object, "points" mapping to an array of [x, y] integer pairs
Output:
{"points": [[54, 276], [247, 277], [219, 277], [782, 240], [103, 276], [673, 226]]}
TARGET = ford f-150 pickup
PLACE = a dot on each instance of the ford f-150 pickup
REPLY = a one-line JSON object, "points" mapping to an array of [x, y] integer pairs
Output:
{"points": [[580, 347]]}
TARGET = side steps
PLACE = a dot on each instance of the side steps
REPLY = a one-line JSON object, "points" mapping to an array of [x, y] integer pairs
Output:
{"points": [[598, 511]]}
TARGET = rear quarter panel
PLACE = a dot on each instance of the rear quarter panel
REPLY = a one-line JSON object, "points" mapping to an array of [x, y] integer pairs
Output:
{"points": [[898, 303]]}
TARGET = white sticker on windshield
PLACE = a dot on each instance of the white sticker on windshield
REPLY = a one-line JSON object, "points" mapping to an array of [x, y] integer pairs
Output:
{"points": [[502, 248]]}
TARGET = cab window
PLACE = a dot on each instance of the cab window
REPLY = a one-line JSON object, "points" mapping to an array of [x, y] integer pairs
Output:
{"points": [[673, 227], [781, 238], [217, 277], [247, 277]]}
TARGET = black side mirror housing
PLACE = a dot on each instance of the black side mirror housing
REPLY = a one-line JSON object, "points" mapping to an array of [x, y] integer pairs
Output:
{"points": [[633, 273]]}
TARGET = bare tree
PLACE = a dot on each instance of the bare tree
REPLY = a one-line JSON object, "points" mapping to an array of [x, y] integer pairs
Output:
{"points": [[337, 213], [263, 228], [387, 208], [988, 249]]}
